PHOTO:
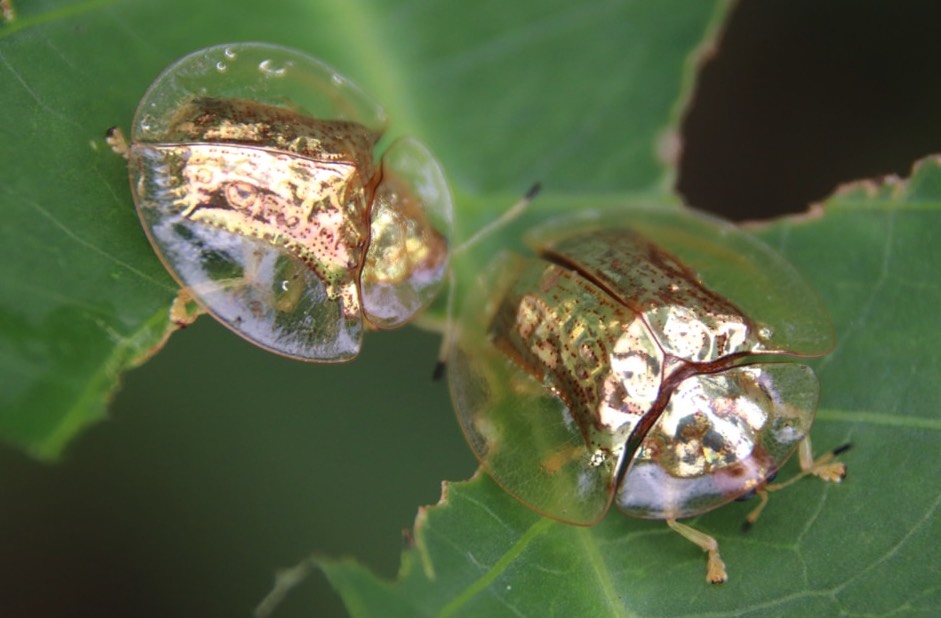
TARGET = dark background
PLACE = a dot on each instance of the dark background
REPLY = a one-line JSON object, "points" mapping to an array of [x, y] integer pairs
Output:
{"points": [[804, 96], [161, 512]]}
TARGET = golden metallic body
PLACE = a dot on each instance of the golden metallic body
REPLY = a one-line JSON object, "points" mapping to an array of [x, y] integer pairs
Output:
{"points": [[607, 370], [281, 223], [622, 332], [268, 173]]}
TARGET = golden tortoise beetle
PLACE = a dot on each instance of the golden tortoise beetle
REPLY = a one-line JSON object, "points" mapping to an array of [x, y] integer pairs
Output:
{"points": [[252, 170], [645, 365]]}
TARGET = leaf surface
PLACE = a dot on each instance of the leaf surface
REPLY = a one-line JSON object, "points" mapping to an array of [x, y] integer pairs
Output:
{"points": [[499, 92], [862, 547]]}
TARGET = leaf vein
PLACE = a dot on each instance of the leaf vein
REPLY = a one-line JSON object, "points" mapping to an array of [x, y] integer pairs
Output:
{"points": [[89, 245], [32, 93], [483, 582], [495, 48], [483, 507], [879, 418], [602, 573], [927, 517]]}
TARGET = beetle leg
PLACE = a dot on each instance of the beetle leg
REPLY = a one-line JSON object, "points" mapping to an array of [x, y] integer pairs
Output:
{"points": [[715, 568], [114, 137], [184, 309], [756, 512], [823, 467]]}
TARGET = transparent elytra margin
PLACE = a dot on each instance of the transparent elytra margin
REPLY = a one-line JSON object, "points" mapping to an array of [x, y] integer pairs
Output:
{"points": [[253, 172]]}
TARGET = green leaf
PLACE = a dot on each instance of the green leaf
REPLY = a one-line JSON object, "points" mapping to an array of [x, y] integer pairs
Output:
{"points": [[573, 94], [864, 547]]}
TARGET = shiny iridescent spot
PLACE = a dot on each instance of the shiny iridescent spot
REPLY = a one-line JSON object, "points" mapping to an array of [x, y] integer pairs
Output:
{"points": [[252, 167]]}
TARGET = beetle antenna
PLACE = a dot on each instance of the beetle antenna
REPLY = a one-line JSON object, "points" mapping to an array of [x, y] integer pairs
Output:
{"points": [[841, 449], [823, 467], [508, 215]]}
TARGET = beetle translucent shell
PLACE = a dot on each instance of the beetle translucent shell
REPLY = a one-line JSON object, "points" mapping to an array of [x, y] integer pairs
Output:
{"points": [[253, 172], [645, 365]]}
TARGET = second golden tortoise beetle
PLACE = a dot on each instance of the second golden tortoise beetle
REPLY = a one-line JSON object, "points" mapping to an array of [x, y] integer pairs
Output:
{"points": [[648, 364]]}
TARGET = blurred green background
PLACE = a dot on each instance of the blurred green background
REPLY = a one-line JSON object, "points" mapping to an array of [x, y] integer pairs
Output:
{"points": [[799, 98]]}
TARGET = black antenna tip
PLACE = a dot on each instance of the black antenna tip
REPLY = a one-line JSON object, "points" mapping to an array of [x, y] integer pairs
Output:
{"points": [[842, 449], [533, 191], [438, 373]]}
